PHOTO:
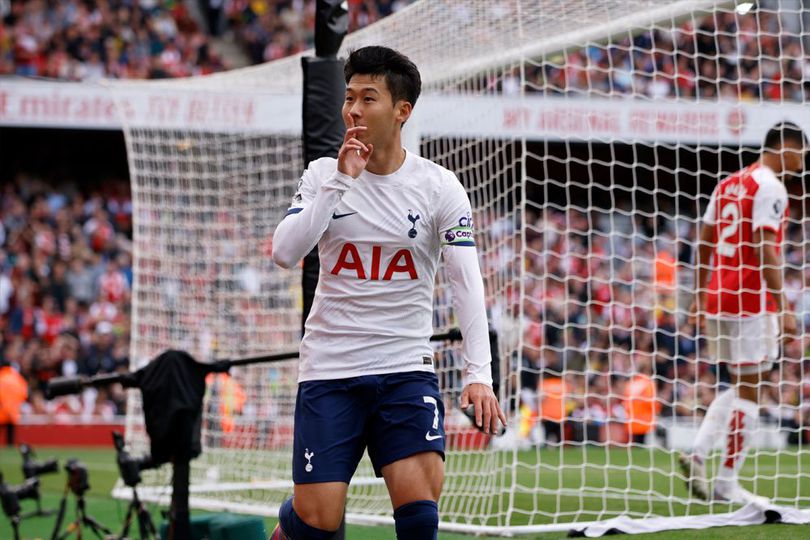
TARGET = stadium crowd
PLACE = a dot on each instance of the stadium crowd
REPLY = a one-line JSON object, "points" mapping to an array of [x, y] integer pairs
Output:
{"points": [[753, 57], [91, 39], [65, 279], [153, 39]]}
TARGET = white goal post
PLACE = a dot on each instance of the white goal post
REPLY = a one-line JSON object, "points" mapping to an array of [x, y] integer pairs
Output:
{"points": [[588, 134]]}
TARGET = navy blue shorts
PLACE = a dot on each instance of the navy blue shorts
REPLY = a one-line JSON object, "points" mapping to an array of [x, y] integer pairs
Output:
{"points": [[394, 416]]}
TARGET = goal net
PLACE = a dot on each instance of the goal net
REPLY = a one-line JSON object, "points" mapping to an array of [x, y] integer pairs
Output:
{"points": [[589, 135]]}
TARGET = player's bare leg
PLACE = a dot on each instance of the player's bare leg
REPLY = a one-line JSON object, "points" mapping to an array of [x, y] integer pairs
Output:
{"points": [[316, 512], [747, 385], [414, 485], [321, 505]]}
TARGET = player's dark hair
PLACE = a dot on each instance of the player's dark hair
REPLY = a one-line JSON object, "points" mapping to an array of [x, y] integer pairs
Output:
{"points": [[401, 75], [782, 132]]}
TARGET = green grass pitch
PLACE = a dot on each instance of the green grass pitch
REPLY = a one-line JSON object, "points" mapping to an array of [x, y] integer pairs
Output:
{"points": [[585, 476]]}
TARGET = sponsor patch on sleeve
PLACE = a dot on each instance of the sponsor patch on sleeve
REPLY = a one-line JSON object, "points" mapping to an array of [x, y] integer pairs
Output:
{"points": [[461, 234], [777, 209]]}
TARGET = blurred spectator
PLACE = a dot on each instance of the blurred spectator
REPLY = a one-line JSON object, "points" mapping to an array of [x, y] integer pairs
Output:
{"points": [[13, 392], [553, 394], [214, 10], [640, 403]]}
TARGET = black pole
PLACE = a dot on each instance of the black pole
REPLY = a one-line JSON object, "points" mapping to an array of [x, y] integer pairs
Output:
{"points": [[180, 521], [323, 129], [60, 515]]}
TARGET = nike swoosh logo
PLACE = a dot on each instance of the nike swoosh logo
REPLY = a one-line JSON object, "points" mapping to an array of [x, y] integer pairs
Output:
{"points": [[429, 437], [335, 215]]}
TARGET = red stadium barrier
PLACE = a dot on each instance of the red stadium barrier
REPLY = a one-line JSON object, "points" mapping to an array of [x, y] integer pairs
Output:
{"points": [[95, 434]]}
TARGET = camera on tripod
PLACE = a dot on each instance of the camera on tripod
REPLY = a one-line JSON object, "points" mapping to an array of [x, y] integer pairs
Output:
{"points": [[77, 483], [130, 467], [10, 496], [31, 467], [77, 477]]}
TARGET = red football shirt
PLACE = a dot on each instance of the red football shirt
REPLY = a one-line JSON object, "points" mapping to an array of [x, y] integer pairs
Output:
{"points": [[741, 204]]}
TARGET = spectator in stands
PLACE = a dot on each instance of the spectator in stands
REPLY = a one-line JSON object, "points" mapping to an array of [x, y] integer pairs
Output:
{"points": [[13, 392], [214, 10], [554, 395], [79, 279], [640, 401]]}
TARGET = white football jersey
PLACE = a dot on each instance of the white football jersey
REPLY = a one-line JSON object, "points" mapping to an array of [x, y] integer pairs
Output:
{"points": [[372, 311]]}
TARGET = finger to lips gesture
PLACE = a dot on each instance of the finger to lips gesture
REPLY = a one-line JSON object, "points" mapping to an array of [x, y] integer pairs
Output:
{"points": [[353, 155]]}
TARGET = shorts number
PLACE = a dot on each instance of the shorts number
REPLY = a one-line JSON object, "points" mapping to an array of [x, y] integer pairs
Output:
{"points": [[432, 401]]}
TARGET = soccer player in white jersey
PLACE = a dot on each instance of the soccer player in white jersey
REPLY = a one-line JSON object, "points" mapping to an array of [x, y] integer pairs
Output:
{"points": [[381, 217], [741, 305]]}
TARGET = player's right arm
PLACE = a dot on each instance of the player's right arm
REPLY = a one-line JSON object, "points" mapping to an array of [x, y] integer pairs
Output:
{"points": [[768, 213], [706, 242], [771, 265], [703, 256], [313, 204]]}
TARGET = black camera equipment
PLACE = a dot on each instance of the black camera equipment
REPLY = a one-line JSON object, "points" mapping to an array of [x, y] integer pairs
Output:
{"points": [[78, 479], [172, 389], [78, 484], [31, 469], [10, 497], [130, 468]]}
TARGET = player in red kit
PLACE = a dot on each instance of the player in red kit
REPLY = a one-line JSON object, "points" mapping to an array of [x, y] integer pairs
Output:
{"points": [[740, 304]]}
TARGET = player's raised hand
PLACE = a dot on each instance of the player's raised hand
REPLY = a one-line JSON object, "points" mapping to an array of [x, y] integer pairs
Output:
{"points": [[353, 155], [487, 409]]}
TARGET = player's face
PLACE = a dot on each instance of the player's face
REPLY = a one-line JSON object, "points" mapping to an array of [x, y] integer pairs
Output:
{"points": [[792, 155], [369, 103]]}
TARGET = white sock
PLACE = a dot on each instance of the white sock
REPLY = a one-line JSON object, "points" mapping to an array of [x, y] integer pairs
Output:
{"points": [[714, 423], [739, 437]]}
